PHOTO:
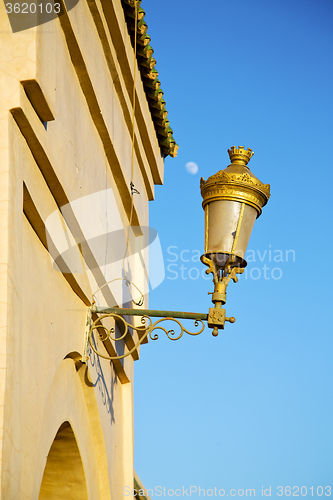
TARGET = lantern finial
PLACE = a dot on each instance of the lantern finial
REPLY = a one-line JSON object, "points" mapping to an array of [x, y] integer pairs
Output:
{"points": [[240, 156]]}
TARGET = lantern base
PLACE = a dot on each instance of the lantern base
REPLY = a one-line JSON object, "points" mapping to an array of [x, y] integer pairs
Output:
{"points": [[223, 260]]}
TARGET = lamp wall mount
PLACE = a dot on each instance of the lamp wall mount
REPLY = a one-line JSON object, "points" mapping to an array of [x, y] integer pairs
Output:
{"points": [[147, 328]]}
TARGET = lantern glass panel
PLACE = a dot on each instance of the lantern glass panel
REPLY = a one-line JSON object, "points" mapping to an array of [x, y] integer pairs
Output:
{"points": [[230, 224]]}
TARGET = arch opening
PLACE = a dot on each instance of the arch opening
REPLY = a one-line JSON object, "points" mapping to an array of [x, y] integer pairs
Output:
{"points": [[63, 476]]}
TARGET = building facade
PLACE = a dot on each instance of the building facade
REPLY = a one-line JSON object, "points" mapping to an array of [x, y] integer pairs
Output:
{"points": [[73, 180]]}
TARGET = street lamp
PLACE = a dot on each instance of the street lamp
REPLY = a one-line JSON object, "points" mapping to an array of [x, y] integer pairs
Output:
{"points": [[232, 200]]}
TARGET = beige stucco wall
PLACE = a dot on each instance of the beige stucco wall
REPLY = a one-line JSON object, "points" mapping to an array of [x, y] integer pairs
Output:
{"points": [[86, 149]]}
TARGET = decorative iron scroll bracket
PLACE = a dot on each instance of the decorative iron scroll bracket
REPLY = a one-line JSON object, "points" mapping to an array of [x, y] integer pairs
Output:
{"points": [[144, 330]]}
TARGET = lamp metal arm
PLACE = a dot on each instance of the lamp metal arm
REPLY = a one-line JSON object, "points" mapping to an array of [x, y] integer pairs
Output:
{"points": [[148, 312]]}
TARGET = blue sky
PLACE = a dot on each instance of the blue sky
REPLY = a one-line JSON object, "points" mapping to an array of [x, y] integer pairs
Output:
{"points": [[251, 408]]}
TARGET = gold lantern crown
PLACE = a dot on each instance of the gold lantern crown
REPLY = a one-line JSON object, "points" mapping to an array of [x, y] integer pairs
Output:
{"points": [[240, 155]]}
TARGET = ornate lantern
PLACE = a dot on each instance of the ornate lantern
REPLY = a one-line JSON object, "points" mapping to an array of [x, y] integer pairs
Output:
{"points": [[232, 199]]}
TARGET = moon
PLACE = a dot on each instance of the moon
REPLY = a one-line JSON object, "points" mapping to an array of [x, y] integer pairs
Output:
{"points": [[192, 167]]}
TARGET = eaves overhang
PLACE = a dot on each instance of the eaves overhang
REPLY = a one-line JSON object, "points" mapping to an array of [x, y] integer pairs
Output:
{"points": [[149, 76]]}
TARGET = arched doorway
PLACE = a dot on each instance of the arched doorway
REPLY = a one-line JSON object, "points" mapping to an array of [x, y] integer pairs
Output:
{"points": [[63, 476]]}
